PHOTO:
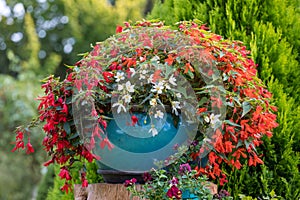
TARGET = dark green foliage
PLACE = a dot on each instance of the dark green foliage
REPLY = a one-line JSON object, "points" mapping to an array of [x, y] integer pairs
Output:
{"points": [[245, 21], [270, 29], [46, 184], [280, 172]]}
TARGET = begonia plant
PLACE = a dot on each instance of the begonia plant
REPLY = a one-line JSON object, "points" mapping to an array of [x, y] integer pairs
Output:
{"points": [[153, 66]]}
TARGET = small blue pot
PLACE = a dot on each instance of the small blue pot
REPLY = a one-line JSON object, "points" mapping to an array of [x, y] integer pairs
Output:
{"points": [[187, 195]]}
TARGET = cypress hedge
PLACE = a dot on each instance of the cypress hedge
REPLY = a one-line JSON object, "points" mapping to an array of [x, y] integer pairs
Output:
{"points": [[270, 30]]}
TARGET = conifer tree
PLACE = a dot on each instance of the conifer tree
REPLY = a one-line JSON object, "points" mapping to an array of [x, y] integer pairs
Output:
{"points": [[270, 29]]}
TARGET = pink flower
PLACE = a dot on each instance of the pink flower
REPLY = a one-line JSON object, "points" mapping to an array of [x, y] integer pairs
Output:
{"points": [[184, 168], [130, 182], [174, 181], [174, 192]]}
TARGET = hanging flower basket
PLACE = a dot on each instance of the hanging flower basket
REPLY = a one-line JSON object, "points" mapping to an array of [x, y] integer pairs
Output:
{"points": [[203, 86]]}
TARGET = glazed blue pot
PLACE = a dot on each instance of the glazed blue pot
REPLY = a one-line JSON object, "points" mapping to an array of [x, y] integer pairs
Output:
{"points": [[135, 149], [142, 141]]}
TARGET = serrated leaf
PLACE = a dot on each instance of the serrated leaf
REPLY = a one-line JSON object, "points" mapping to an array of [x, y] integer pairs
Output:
{"points": [[247, 144], [236, 99], [240, 142], [246, 107]]}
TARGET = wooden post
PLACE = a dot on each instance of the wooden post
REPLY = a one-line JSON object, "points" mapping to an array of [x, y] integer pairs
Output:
{"points": [[102, 191], [106, 191]]}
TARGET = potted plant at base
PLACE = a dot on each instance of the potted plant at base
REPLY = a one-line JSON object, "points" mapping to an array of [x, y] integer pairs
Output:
{"points": [[209, 83]]}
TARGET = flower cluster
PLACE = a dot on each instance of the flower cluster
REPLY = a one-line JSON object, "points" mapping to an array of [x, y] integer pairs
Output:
{"points": [[156, 87], [172, 184], [140, 66]]}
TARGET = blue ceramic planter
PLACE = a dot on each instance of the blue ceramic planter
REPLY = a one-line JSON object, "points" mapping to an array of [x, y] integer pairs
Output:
{"points": [[137, 139], [135, 149]]}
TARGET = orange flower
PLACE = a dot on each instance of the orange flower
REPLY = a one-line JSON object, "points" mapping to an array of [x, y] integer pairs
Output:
{"points": [[188, 68]]}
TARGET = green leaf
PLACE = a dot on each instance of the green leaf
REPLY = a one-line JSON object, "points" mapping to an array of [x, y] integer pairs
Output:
{"points": [[246, 108], [67, 128], [182, 91], [74, 136], [169, 70], [236, 99], [231, 123], [69, 100], [202, 101]]}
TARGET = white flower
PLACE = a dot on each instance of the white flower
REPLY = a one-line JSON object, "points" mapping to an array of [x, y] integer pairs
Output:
{"points": [[132, 71], [142, 77], [167, 86], [153, 102], [153, 130], [155, 58], [175, 106], [206, 119], [127, 98], [205, 140], [172, 80], [119, 76], [129, 87], [178, 95], [159, 114], [214, 119], [150, 79], [158, 88], [120, 107], [120, 87], [84, 102]]}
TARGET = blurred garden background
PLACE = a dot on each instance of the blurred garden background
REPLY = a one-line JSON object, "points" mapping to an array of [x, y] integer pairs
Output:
{"points": [[41, 37]]}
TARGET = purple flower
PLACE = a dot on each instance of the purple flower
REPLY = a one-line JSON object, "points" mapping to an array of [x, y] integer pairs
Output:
{"points": [[174, 192], [174, 181], [195, 143], [184, 168], [129, 182], [222, 193]]}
